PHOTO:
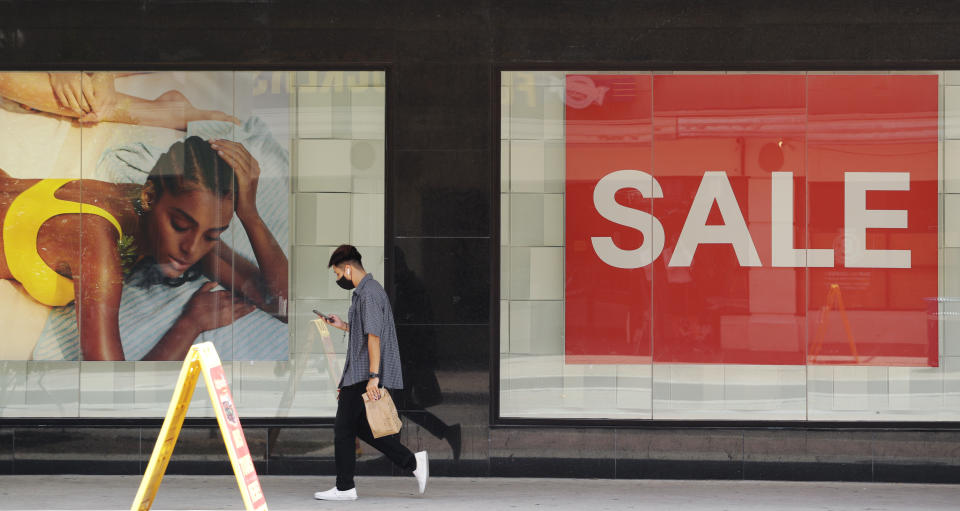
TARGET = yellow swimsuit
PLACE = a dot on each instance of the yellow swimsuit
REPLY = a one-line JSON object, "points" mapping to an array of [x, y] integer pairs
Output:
{"points": [[27, 213]]}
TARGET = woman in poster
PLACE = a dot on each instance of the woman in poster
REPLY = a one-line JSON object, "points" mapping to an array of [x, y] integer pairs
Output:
{"points": [[51, 236]]}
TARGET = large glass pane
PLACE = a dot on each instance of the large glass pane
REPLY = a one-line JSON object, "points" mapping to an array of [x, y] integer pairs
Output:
{"points": [[144, 212], [735, 246]]}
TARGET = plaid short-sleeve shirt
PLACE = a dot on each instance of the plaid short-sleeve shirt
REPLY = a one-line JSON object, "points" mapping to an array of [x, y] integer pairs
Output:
{"points": [[370, 313]]}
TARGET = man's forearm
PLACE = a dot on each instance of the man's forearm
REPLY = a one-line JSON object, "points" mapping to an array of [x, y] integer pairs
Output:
{"points": [[32, 89], [373, 349]]}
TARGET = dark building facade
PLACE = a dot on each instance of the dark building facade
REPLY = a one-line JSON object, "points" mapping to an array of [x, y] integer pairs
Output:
{"points": [[447, 70]]}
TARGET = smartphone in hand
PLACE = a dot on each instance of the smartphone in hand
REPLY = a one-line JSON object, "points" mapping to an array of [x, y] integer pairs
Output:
{"points": [[326, 318]]}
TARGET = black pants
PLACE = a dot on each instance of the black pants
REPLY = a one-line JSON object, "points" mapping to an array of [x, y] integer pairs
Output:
{"points": [[351, 423]]}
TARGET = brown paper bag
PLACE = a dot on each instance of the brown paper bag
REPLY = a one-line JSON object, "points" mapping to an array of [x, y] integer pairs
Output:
{"points": [[382, 415]]}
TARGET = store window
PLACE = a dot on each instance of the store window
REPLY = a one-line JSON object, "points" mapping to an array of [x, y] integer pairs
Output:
{"points": [[246, 179], [729, 246]]}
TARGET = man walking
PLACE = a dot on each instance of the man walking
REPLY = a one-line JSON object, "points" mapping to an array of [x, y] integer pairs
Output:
{"points": [[373, 361]]}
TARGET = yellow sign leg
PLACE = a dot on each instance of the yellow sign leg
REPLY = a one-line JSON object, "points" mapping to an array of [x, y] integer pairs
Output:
{"points": [[168, 433], [202, 358]]}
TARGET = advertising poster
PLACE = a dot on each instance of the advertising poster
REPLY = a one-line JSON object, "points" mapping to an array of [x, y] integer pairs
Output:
{"points": [[143, 213], [765, 219]]}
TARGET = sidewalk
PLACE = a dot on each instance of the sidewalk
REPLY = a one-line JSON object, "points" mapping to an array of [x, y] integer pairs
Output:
{"points": [[488, 494]]}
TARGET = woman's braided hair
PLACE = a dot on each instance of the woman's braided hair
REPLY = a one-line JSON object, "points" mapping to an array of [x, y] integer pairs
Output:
{"points": [[191, 163]]}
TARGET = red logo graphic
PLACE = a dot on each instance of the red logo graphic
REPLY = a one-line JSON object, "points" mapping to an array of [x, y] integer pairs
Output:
{"points": [[752, 219]]}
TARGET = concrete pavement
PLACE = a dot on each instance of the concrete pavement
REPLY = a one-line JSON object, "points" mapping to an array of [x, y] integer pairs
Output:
{"points": [[487, 494]]}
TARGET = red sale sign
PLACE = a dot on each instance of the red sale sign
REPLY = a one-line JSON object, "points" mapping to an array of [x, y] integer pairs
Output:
{"points": [[751, 219]]}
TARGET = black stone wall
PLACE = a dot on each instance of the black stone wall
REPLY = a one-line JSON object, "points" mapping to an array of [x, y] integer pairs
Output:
{"points": [[442, 59]]}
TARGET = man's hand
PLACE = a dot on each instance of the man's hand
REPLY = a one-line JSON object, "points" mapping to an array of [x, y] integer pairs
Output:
{"points": [[101, 94], [335, 321], [373, 388], [68, 89]]}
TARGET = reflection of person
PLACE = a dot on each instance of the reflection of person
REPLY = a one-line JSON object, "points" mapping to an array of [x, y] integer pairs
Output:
{"points": [[55, 231], [91, 98], [373, 361], [422, 389]]}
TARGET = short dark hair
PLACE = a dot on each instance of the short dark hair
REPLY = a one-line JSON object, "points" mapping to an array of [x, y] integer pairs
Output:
{"points": [[345, 254]]}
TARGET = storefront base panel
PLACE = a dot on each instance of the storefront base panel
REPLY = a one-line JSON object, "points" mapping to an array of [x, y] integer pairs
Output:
{"points": [[309, 451]]}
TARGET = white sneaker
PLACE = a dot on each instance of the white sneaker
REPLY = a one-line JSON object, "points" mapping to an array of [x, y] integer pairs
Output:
{"points": [[335, 494], [422, 472]]}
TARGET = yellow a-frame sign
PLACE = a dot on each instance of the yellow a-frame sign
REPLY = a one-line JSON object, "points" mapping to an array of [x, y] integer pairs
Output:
{"points": [[202, 358]]}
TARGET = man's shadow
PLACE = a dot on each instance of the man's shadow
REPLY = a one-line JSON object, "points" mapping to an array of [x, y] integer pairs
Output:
{"points": [[419, 356]]}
